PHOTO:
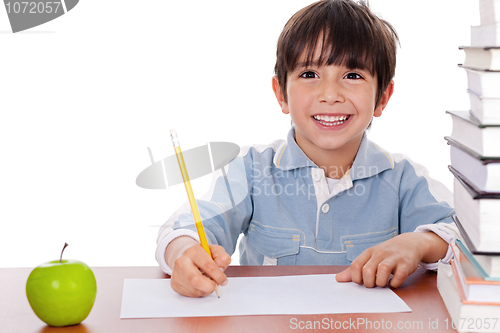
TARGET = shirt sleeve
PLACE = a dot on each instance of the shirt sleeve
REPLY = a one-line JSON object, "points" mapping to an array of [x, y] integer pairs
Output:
{"points": [[426, 205], [422, 199], [225, 211], [448, 232]]}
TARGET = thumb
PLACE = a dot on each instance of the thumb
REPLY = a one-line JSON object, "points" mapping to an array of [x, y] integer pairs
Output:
{"points": [[344, 276], [220, 256]]}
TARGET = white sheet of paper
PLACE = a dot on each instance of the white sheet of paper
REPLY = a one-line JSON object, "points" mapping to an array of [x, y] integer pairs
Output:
{"points": [[301, 294]]}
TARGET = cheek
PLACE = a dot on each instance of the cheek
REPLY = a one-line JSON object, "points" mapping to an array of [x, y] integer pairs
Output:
{"points": [[295, 107], [365, 102], [299, 100]]}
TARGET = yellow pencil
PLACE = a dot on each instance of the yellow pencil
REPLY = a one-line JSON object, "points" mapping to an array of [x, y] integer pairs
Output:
{"points": [[192, 201]]}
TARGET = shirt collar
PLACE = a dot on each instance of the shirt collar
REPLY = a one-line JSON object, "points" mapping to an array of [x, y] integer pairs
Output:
{"points": [[290, 156], [370, 159]]}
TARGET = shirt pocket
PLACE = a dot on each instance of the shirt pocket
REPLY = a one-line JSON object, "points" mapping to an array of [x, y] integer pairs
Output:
{"points": [[354, 245], [275, 243]]}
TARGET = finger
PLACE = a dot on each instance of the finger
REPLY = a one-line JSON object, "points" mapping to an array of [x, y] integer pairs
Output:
{"points": [[401, 272], [384, 270], [358, 264], [187, 279], [186, 289], [344, 276], [204, 262], [220, 256], [370, 273]]}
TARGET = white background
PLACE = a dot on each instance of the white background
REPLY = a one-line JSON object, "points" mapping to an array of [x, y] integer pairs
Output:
{"points": [[83, 96]]}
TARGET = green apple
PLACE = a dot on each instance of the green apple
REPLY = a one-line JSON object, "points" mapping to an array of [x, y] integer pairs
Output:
{"points": [[61, 292]]}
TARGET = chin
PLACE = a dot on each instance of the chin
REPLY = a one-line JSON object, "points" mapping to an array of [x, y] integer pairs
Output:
{"points": [[331, 145]]}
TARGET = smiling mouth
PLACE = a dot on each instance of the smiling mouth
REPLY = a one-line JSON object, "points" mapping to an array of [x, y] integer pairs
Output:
{"points": [[331, 120]]}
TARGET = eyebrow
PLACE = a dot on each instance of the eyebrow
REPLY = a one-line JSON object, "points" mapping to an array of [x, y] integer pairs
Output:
{"points": [[303, 64]]}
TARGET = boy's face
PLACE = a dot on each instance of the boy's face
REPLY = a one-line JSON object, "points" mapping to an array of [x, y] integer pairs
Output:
{"points": [[331, 106]]}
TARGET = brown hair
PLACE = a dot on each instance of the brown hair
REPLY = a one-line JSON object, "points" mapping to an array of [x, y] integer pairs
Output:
{"points": [[351, 35]]}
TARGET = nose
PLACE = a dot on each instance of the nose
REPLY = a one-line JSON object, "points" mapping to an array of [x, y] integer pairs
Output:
{"points": [[331, 92]]}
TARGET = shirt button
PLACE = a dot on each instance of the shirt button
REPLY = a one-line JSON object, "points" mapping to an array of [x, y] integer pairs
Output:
{"points": [[325, 208], [316, 177]]}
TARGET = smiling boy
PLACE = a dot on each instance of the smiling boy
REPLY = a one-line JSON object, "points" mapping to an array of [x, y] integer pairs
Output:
{"points": [[334, 70]]}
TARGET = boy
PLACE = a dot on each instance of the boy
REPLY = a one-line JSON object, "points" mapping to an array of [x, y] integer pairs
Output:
{"points": [[326, 196]]}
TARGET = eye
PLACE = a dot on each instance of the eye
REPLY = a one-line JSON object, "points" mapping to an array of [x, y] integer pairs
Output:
{"points": [[353, 76], [309, 75]]}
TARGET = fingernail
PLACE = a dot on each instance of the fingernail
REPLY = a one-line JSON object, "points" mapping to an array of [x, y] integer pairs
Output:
{"points": [[224, 283], [222, 269]]}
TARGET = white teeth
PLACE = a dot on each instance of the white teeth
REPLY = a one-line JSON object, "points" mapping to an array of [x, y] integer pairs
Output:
{"points": [[330, 121]]}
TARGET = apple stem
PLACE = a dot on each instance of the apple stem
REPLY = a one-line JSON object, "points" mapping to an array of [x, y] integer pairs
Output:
{"points": [[60, 259]]}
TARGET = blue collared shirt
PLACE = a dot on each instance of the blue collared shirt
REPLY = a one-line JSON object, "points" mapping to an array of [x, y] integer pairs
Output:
{"points": [[280, 201]]}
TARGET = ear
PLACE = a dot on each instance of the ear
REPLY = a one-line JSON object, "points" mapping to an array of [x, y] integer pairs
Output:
{"points": [[279, 95], [384, 100]]}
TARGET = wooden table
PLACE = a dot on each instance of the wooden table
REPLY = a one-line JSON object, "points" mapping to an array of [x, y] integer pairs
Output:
{"points": [[419, 292]]}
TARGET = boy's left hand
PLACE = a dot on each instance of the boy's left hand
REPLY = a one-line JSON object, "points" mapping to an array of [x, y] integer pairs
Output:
{"points": [[399, 256]]}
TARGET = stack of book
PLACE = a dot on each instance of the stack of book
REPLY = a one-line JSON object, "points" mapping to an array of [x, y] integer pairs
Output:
{"points": [[470, 286]]}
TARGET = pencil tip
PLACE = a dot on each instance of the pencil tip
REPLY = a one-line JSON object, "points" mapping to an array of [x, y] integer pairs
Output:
{"points": [[217, 290]]}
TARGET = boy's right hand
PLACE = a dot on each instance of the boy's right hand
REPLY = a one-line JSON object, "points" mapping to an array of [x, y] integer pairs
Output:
{"points": [[188, 260]]}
